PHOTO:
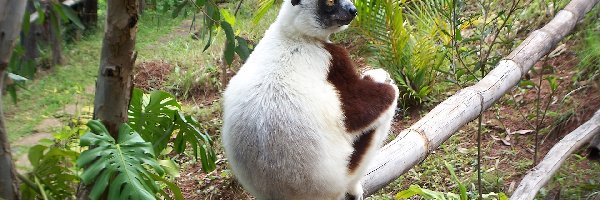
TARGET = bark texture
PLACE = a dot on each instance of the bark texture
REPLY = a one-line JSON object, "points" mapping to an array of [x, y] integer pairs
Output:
{"points": [[114, 84], [541, 174], [29, 39], [55, 37], [412, 145], [11, 17]]}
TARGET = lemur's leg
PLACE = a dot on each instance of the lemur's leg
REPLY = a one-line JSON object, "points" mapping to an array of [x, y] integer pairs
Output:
{"points": [[375, 136]]}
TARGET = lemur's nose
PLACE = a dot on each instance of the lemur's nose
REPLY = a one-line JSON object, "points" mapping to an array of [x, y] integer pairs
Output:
{"points": [[353, 11]]}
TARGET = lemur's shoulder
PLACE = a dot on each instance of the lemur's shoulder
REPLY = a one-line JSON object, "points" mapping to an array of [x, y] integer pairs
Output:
{"points": [[363, 100]]}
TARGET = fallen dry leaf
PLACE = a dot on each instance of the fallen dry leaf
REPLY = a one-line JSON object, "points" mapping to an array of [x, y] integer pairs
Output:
{"points": [[522, 132]]}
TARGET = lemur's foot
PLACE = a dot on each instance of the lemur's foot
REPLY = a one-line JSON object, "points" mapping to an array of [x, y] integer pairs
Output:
{"points": [[355, 193]]}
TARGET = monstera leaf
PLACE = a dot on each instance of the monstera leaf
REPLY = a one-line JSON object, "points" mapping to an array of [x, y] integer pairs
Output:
{"points": [[124, 164], [157, 116], [201, 142], [52, 172], [152, 116]]}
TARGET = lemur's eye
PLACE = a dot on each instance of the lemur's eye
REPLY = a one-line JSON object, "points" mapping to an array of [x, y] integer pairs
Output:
{"points": [[330, 3]]}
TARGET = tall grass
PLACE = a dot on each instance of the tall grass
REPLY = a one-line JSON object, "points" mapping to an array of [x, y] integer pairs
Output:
{"points": [[589, 53]]}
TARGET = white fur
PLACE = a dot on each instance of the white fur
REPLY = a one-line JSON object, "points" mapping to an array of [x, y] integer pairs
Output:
{"points": [[283, 128]]}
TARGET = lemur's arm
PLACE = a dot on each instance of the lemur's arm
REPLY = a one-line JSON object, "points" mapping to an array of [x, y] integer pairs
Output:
{"points": [[363, 99]]}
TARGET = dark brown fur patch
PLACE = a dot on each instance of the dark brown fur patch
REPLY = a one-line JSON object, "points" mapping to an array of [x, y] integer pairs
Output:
{"points": [[360, 145], [363, 100]]}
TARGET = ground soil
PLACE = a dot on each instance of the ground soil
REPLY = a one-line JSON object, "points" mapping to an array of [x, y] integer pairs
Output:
{"points": [[151, 75]]}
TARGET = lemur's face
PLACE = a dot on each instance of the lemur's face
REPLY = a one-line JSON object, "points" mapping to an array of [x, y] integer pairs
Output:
{"points": [[322, 17], [335, 13]]}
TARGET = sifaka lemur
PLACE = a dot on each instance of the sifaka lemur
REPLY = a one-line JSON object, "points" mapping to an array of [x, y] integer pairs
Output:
{"points": [[299, 121]]}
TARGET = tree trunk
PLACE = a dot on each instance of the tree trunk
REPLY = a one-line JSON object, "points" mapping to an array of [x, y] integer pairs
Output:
{"points": [[114, 84], [55, 39], [11, 17], [412, 145], [541, 174], [89, 14], [29, 42]]}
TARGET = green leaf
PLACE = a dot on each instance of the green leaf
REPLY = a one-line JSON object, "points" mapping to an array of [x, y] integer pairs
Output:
{"points": [[172, 186], [526, 84], [227, 16], [151, 116], [170, 167], [405, 194], [12, 91], [414, 190], [552, 82], [40, 12], [229, 42], [70, 14], [502, 196], [41, 186], [189, 133], [462, 188], [35, 154], [209, 41], [121, 164], [156, 116], [26, 22], [265, 5], [178, 9], [52, 171], [57, 11], [242, 48], [213, 12], [200, 3]]}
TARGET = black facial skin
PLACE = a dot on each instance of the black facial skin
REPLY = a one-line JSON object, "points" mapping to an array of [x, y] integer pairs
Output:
{"points": [[341, 13]]}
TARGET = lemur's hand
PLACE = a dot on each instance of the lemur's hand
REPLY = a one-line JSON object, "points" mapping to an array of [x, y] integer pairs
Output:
{"points": [[379, 75]]}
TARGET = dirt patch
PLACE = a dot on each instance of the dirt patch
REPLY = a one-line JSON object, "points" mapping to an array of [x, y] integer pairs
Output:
{"points": [[182, 30], [202, 97], [32, 139], [70, 109], [219, 184], [151, 75], [48, 124], [90, 89], [570, 106], [22, 146]]}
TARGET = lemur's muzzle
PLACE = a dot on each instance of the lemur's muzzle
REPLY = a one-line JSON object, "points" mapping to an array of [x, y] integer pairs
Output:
{"points": [[346, 14]]}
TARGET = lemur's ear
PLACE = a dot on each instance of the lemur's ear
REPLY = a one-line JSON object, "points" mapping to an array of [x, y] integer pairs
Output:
{"points": [[295, 2]]}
